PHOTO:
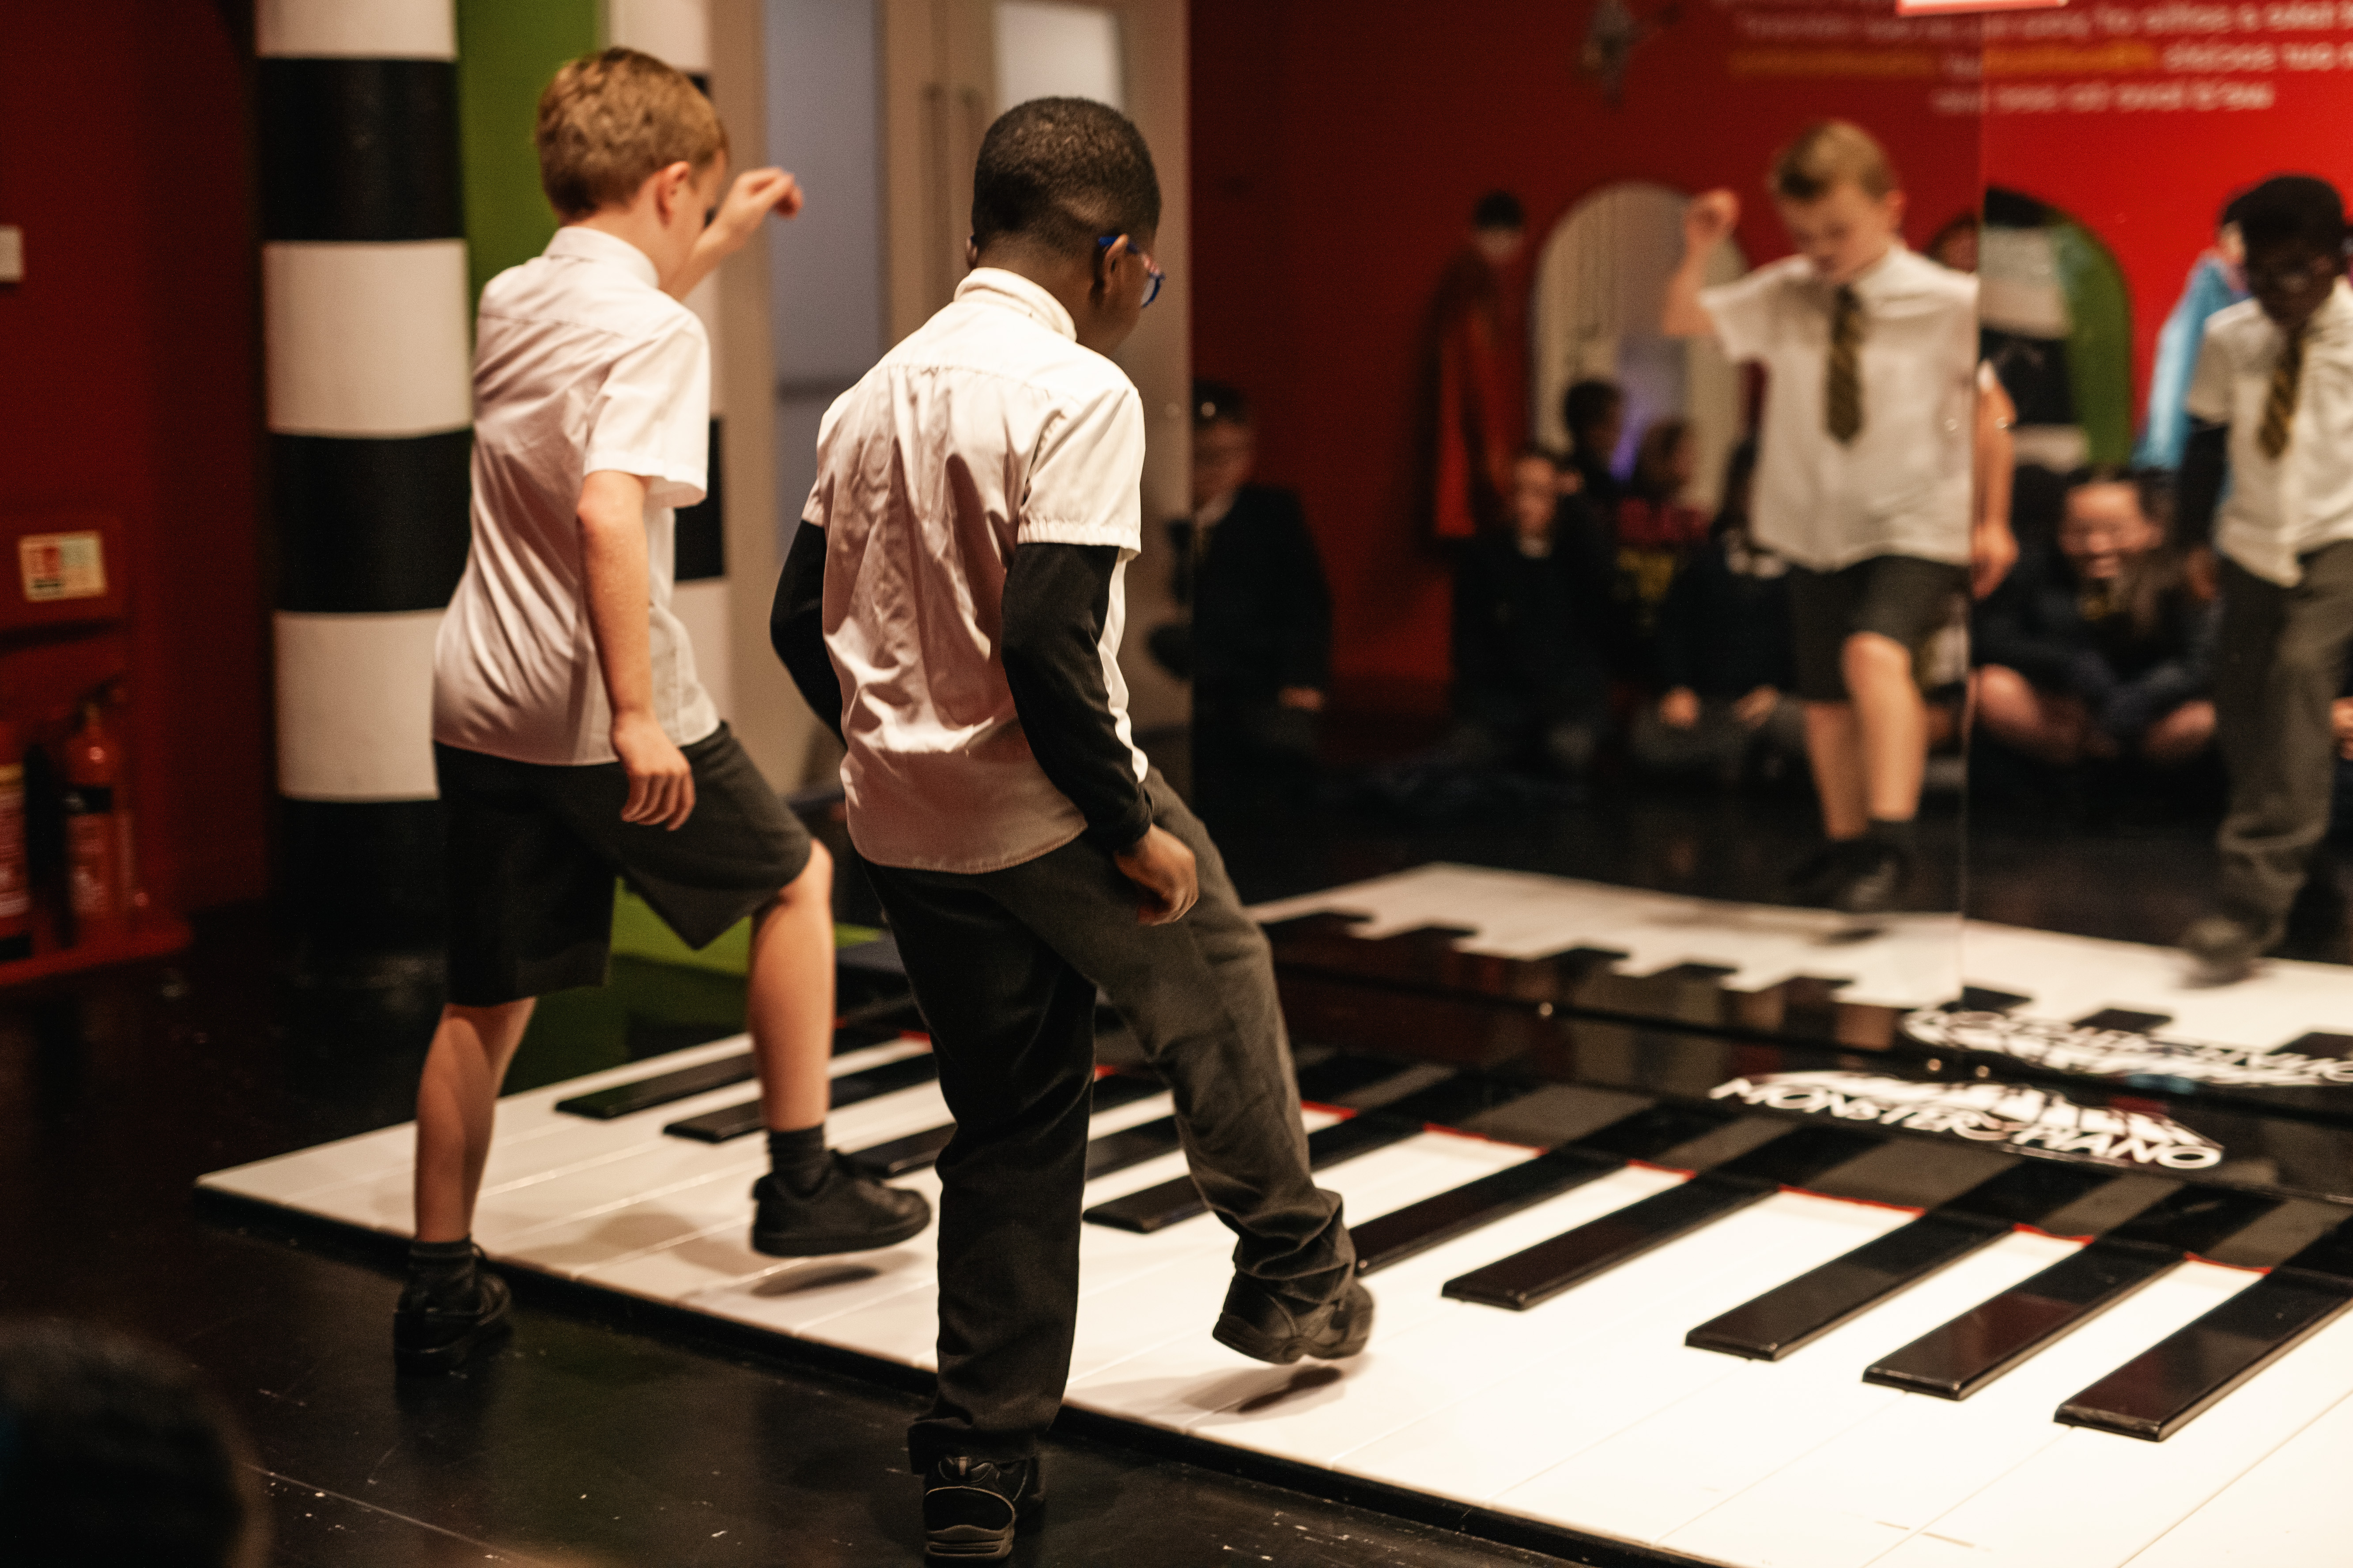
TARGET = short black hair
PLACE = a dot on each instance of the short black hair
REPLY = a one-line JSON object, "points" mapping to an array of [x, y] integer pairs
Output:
{"points": [[2152, 488], [1064, 171], [117, 1452], [1219, 403], [2293, 209], [1499, 209], [1588, 403]]}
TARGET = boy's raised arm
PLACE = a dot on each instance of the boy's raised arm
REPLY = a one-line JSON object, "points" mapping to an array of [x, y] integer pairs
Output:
{"points": [[1710, 215], [755, 194], [612, 514]]}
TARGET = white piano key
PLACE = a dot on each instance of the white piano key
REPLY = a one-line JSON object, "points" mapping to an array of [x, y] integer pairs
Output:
{"points": [[2269, 1514], [1864, 1492], [1652, 1478], [1551, 1406], [1196, 1389], [2093, 1499]]}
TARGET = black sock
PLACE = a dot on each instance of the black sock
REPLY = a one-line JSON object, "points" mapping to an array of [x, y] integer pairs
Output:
{"points": [[798, 1159], [441, 1273], [1902, 837]]}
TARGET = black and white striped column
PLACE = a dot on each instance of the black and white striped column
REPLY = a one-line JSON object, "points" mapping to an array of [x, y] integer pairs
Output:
{"points": [[678, 32], [365, 306]]}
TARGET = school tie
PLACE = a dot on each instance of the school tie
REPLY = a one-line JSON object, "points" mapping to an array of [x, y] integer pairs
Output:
{"points": [[1843, 389], [2279, 404]]}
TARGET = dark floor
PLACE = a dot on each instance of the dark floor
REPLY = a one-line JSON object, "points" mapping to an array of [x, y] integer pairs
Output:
{"points": [[589, 1442]]}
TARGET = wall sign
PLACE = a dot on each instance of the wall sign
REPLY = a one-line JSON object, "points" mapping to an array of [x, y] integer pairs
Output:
{"points": [[61, 566]]}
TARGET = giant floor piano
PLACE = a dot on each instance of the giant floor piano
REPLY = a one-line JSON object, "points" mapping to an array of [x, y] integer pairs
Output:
{"points": [[1661, 1296]]}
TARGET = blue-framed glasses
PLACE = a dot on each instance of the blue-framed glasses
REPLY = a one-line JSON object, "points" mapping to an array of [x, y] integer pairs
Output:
{"points": [[1152, 277]]}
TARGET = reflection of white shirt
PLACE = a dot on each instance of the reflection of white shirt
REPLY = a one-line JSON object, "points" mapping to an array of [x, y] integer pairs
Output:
{"points": [[1902, 486], [2280, 509], [990, 427], [580, 365]]}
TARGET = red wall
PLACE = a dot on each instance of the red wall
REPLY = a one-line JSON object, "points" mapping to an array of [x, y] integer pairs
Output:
{"points": [[1336, 150], [130, 387]]}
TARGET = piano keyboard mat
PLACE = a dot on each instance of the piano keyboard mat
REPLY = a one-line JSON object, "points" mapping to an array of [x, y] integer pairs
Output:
{"points": [[2203, 1400], [2038, 1003]]}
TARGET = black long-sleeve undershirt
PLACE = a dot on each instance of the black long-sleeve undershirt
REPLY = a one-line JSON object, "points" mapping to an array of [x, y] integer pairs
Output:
{"points": [[1057, 597], [2205, 465]]}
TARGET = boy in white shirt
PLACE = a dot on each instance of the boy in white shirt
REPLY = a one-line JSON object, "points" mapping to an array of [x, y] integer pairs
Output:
{"points": [[2271, 405], [954, 600], [573, 741], [1873, 406]]}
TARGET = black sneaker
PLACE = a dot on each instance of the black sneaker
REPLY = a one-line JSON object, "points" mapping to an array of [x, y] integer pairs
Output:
{"points": [[971, 1508], [850, 1212], [1265, 1327], [1814, 880], [1874, 880], [436, 1337]]}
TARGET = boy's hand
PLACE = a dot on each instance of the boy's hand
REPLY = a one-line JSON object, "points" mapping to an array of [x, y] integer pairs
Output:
{"points": [[1757, 707], [1161, 865], [1710, 215], [661, 784], [1679, 709], [1993, 551], [755, 194]]}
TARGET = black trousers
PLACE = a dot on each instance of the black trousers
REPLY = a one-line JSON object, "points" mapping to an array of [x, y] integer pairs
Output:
{"points": [[2281, 664], [1006, 965]]}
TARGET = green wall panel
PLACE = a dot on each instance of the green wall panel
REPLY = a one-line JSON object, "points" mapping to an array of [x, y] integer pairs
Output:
{"points": [[506, 51]]}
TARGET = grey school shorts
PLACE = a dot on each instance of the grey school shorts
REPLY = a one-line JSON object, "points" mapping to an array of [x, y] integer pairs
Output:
{"points": [[534, 851], [1901, 597]]}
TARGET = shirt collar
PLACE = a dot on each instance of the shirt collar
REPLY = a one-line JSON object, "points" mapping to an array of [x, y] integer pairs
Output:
{"points": [[1011, 291], [1885, 278], [580, 243]]}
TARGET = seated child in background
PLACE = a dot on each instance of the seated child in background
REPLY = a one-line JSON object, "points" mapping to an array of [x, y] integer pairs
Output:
{"points": [[1528, 679], [1594, 415], [2100, 649], [1725, 656], [1655, 534], [1257, 648]]}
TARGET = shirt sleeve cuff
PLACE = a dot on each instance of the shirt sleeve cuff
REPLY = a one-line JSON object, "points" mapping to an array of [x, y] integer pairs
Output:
{"points": [[1127, 831], [1128, 541], [667, 483]]}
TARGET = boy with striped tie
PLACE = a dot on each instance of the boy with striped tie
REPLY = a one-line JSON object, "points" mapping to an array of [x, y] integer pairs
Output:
{"points": [[2272, 406], [1864, 477]]}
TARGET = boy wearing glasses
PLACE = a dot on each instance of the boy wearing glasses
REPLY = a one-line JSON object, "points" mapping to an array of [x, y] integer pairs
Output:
{"points": [[955, 604], [2272, 410]]}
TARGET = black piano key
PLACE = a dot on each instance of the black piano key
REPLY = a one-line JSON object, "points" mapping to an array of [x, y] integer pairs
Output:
{"points": [[917, 1151], [1403, 1233], [735, 1120], [644, 1093], [2165, 1387], [1986, 999], [2124, 1019], [1792, 1316], [1157, 1208], [1344, 1073], [1958, 1358], [1529, 1278], [2320, 1042]]}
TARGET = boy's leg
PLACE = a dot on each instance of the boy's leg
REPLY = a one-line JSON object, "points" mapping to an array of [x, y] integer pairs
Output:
{"points": [[1821, 614], [1199, 994], [1890, 725], [1013, 1026], [788, 998], [1834, 750], [2273, 693], [457, 1099]]}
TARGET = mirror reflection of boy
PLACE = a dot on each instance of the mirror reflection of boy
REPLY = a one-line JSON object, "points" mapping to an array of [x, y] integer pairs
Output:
{"points": [[1257, 643], [2217, 280], [1864, 480], [2103, 650], [2272, 405]]}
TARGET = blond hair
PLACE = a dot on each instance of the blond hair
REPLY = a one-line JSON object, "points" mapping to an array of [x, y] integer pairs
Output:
{"points": [[610, 120], [1830, 153]]}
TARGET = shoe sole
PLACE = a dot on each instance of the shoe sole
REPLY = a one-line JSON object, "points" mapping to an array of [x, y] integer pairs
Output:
{"points": [[973, 1543], [441, 1359], [787, 1244]]}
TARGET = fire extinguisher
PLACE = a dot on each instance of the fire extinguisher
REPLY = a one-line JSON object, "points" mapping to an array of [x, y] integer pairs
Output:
{"points": [[95, 871], [16, 881]]}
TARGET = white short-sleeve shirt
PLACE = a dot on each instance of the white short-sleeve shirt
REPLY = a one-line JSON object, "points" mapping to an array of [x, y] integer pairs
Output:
{"points": [[1902, 486], [990, 427], [581, 364], [2280, 509]]}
